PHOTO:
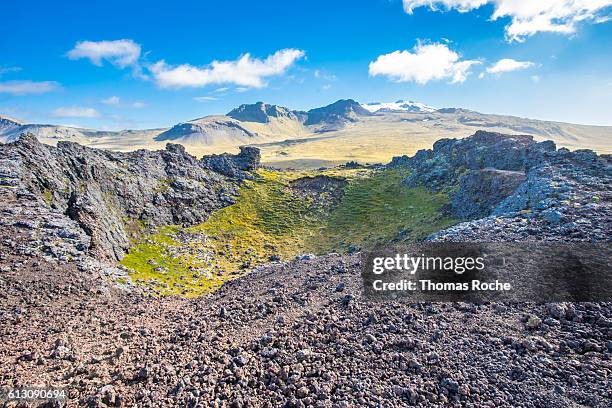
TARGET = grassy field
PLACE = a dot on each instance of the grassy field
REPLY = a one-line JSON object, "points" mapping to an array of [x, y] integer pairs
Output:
{"points": [[271, 219]]}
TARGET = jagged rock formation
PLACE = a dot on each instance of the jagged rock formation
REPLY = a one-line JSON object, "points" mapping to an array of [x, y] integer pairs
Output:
{"points": [[451, 158], [337, 113], [526, 190], [92, 199], [262, 112], [235, 166]]}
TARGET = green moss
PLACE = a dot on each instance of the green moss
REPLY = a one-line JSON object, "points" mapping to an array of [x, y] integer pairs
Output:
{"points": [[164, 185], [48, 196], [380, 209], [270, 218]]}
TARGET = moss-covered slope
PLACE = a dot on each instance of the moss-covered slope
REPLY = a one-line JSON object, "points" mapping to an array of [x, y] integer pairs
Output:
{"points": [[277, 217]]}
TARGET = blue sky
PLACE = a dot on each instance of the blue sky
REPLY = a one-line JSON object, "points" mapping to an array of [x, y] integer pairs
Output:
{"points": [[140, 64]]}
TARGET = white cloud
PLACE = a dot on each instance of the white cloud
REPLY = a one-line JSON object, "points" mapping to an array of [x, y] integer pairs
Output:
{"points": [[508, 65], [536, 78], [28, 87], [324, 75], [245, 71], [460, 5], [112, 100], [7, 70], [528, 17], [75, 112], [204, 98], [428, 62], [121, 53], [138, 104]]}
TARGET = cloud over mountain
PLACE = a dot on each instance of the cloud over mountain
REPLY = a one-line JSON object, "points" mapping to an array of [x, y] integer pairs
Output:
{"points": [[427, 62], [75, 112], [528, 17], [245, 71]]}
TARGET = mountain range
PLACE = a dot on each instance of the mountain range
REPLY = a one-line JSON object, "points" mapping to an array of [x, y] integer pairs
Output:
{"points": [[342, 131]]}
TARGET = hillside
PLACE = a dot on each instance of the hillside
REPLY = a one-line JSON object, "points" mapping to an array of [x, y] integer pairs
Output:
{"points": [[212, 130]]}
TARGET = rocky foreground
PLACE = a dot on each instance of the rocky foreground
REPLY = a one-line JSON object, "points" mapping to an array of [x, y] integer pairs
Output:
{"points": [[299, 333], [296, 334]]}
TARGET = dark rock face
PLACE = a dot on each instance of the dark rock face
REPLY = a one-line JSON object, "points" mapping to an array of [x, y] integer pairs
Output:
{"points": [[99, 196], [235, 166], [338, 112], [262, 112], [481, 190]]}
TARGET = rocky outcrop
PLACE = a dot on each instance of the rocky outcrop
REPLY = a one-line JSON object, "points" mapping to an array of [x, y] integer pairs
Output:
{"points": [[235, 166], [513, 188], [516, 189], [452, 158], [100, 198], [322, 191]]}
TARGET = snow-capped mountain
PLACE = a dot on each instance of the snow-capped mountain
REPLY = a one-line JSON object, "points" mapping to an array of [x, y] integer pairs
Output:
{"points": [[399, 106]]}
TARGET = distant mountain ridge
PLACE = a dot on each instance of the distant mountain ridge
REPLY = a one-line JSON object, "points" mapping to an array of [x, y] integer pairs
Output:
{"points": [[262, 112], [208, 131], [8, 125], [216, 128], [337, 112], [341, 131]]}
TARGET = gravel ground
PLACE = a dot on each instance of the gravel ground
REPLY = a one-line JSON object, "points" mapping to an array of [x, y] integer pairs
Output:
{"points": [[292, 334]]}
